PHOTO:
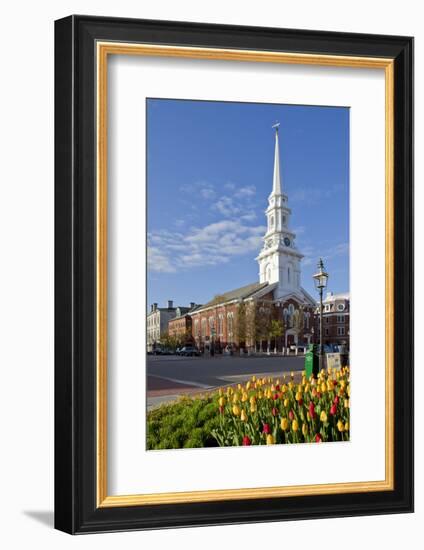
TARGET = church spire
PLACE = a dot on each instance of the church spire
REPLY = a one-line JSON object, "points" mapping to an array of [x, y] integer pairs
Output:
{"points": [[276, 184]]}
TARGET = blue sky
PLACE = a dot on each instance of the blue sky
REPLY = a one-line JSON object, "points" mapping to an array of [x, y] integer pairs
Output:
{"points": [[209, 173]]}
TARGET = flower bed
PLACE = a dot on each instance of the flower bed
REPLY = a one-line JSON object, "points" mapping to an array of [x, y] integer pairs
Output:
{"points": [[260, 412]]}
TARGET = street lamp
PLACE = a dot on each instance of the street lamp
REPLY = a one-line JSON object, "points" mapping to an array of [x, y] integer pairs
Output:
{"points": [[320, 280]]}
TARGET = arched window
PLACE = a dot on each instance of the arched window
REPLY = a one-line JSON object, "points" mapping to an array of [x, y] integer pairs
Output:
{"points": [[271, 222], [288, 274]]}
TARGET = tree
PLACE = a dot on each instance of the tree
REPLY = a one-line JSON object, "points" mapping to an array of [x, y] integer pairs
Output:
{"points": [[276, 330]]}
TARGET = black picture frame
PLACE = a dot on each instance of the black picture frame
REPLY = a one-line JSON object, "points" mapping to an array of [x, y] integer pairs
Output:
{"points": [[76, 510]]}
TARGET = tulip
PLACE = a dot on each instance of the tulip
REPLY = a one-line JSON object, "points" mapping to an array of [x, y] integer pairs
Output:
{"points": [[272, 387], [253, 407], [284, 388], [275, 396], [222, 401], [333, 409], [347, 403], [246, 441], [244, 397], [323, 416], [298, 396], [314, 392], [340, 426], [312, 410], [300, 402], [248, 386], [318, 438], [253, 378], [348, 390], [266, 429], [295, 425], [236, 410], [236, 398], [291, 414], [239, 387], [330, 385], [270, 439], [284, 424], [346, 426], [286, 402], [336, 400], [243, 416], [274, 411], [323, 387], [260, 394], [277, 387], [305, 429]]}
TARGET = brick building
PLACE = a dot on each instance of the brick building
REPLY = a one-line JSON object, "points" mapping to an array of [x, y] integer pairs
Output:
{"points": [[335, 319], [273, 313], [158, 319]]}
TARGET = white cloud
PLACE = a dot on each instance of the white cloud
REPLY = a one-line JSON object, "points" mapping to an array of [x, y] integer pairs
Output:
{"points": [[212, 244], [203, 189]]}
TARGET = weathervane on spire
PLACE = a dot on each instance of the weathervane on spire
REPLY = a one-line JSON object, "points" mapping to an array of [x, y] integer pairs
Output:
{"points": [[276, 126]]}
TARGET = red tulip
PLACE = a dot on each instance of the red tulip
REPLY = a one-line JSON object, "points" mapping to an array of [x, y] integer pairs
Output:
{"points": [[277, 387], [319, 395], [333, 409], [266, 429], [312, 410], [274, 411], [246, 440], [300, 402], [291, 415], [275, 396], [318, 438], [336, 400]]}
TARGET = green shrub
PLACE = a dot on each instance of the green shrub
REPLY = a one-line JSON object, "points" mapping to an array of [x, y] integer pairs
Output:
{"points": [[188, 423]]}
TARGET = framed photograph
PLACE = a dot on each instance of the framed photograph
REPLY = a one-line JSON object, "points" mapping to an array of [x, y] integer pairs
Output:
{"points": [[234, 274]]}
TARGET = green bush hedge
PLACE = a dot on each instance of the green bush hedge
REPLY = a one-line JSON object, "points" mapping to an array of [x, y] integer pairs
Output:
{"points": [[187, 423]]}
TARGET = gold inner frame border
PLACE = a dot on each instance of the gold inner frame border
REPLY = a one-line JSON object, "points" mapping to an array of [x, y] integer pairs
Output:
{"points": [[103, 50]]}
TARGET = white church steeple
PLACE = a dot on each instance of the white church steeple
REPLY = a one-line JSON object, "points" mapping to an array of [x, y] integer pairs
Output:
{"points": [[279, 260]]}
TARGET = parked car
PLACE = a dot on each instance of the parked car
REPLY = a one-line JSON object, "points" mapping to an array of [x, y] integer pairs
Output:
{"points": [[189, 351]]}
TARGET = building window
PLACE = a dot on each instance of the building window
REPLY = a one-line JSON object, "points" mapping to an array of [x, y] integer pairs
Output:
{"points": [[326, 331], [284, 220], [220, 325], [340, 307], [196, 327], [203, 327], [340, 319], [271, 222], [230, 325], [327, 319], [340, 331], [288, 274], [327, 307]]}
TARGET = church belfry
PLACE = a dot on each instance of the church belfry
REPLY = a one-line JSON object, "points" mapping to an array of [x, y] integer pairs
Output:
{"points": [[279, 260]]}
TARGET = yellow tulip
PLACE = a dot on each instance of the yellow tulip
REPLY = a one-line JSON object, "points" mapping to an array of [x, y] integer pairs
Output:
{"points": [[243, 416], [346, 426], [253, 378], [221, 401], [307, 388], [303, 380], [277, 383], [236, 398], [253, 406], [340, 426], [236, 410], [270, 439], [260, 394], [348, 390], [283, 388], [239, 387], [298, 396], [347, 403], [323, 416], [230, 390], [291, 385], [323, 387], [252, 399], [244, 397], [286, 402], [272, 387], [284, 424], [330, 385], [248, 386], [263, 381], [295, 425], [305, 429]]}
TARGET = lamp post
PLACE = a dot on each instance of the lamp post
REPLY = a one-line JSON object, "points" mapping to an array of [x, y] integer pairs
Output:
{"points": [[320, 280]]}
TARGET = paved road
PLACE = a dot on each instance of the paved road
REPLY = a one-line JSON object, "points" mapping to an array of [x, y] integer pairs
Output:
{"points": [[170, 376]]}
